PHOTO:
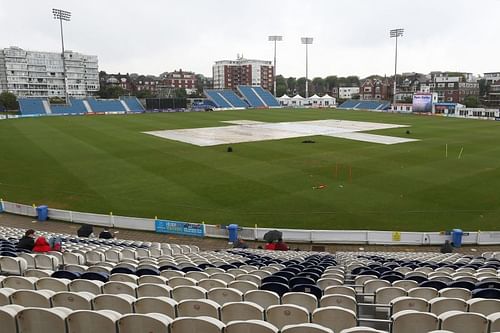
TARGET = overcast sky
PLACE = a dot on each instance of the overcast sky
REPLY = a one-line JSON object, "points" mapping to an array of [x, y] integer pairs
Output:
{"points": [[351, 37]]}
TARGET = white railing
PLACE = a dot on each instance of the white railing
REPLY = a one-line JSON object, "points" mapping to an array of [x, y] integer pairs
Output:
{"points": [[292, 235]]}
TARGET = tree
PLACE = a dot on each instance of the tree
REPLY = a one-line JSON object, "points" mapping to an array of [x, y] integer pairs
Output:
{"points": [[471, 101], [318, 86], [291, 84], [9, 101], [111, 92], [143, 94], [301, 86], [180, 93], [281, 87], [330, 82]]}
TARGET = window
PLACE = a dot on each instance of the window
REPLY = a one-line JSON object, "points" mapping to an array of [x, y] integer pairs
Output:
{"points": [[451, 85]]}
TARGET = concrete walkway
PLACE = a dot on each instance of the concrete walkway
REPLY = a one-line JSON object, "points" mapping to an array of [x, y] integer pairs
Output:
{"points": [[16, 221]]}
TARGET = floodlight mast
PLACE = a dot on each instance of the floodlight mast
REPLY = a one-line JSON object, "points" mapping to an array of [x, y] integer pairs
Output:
{"points": [[395, 33], [63, 15], [275, 39], [307, 41]]}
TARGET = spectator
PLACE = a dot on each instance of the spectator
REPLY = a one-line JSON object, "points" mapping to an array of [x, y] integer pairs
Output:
{"points": [[55, 243], [85, 230], [446, 247], [281, 246], [41, 245], [27, 241], [270, 246], [105, 234], [240, 244]]}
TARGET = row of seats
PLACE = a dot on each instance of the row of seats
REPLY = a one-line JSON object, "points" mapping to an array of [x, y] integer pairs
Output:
{"points": [[365, 105]]}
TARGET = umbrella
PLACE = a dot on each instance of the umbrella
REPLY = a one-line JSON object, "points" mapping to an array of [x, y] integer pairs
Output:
{"points": [[273, 235]]}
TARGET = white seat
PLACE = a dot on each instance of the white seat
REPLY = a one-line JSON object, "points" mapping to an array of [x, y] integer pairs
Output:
{"points": [[250, 326], [249, 277], [171, 274], [334, 317], [197, 325], [409, 303], [153, 289], [83, 321], [423, 292], [72, 258], [226, 277], [197, 308], [30, 259], [152, 279], [306, 328], [461, 293], [440, 305], [342, 301], [120, 303], [308, 301], [463, 322], [73, 300], [36, 320], [371, 286], [405, 284], [385, 295], [188, 292], [410, 321], [263, 298], [5, 295], [32, 298], [484, 306], [224, 295], [13, 265], [181, 281], [288, 314], [340, 290], [494, 320], [152, 322], [197, 275], [324, 283], [94, 257], [116, 287], [91, 286], [39, 273], [121, 277], [241, 311], [8, 315], [113, 256], [19, 282], [209, 284], [242, 286], [53, 284], [46, 261], [360, 329], [159, 304]]}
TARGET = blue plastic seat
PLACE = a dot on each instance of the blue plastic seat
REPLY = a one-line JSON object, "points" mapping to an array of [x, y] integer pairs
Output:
{"points": [[191, 269], [287, 275], [310, 289], [275, 278], [418, 279], [301, 280], [311, 275], [279, 288], [438, 285], [66, 275], [95, 276], [487, 285], [490, 293], [462, 284], [147, 271], [124, 270]]}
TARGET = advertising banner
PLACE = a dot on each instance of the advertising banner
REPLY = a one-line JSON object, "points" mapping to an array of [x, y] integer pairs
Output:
{"points": [[422, 103], [179, 228]]}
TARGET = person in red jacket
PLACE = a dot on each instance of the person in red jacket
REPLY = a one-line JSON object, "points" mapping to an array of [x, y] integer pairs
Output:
{"points": [[41, 245], [270, 246], [281, 246]]}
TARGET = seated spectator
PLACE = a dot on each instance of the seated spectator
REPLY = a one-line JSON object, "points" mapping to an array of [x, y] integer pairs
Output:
{"points": [[105, 234], [41, 245], [270, 246], [27, 241], [240, 244], [281, 246], [446, 247], [86, 230], [55, 243]]}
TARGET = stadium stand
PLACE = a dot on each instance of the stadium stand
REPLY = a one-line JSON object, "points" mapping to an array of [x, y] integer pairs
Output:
{"points": [[225, 99], [267, 97], [251, 96], [31, 106], [105, 105], [75, 106], [365, 105], [122, 285], [133, 103]]}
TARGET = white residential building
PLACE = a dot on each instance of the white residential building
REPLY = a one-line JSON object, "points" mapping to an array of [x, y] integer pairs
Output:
{"points": [[228, 74], [348, 92], [41, 74]]}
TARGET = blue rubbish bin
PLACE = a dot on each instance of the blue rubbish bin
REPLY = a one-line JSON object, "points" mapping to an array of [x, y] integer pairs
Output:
{"points": [[456, 237], [42, 213], [233, 232]]}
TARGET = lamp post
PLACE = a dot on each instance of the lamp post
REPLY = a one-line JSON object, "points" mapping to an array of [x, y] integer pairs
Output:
{"points": [[63, 15], [307, 41], [395, 33], [275, 39]]}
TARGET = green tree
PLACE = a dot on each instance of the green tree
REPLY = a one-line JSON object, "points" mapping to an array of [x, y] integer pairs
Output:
{"points": [[331, 82], [143, 94], [111, 92], [291, 84], [180, 93], [318, 86], [471, 101], [9, 101], [281, 86], [301, 86]]}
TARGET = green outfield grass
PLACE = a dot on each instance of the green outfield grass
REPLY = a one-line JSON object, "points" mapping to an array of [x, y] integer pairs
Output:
{"points": [[104, 163]]}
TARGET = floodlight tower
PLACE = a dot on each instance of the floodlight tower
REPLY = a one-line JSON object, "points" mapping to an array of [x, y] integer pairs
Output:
{"points": [[395, 33], [63, 15], [307, 41], [275, 39]]}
